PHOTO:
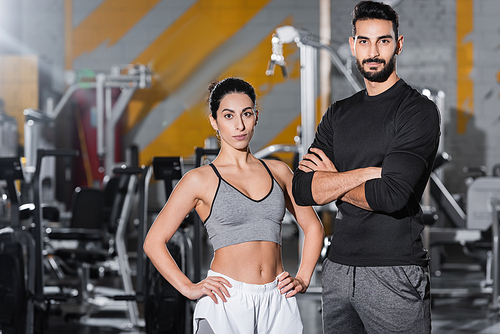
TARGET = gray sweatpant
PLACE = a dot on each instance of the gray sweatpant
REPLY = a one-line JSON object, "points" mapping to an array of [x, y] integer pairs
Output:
{"points": [[375, 299]]}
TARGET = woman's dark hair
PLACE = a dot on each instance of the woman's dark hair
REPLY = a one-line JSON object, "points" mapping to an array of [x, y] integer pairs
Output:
{"points": [[370, 10], [219, 89]]}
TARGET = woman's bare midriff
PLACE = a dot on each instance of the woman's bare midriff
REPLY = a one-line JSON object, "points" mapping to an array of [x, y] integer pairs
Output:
{"points": [[253, 262]]}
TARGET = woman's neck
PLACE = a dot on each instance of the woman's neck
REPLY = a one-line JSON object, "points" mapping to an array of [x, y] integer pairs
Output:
{"points": [[231, 156]]}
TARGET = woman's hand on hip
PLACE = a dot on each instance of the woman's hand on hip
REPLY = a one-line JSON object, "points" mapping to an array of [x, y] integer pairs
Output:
{"points": [[211, 286], [290, 285]]}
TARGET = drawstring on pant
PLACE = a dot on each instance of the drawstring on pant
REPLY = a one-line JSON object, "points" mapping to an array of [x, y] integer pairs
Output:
{"points": [[353, 281], [353, 278]]}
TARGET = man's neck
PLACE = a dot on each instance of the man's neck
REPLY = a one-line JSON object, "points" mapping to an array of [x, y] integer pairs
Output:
{"points": [[375, 88]]}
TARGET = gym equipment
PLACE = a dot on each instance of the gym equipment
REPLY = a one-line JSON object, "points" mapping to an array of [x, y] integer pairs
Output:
{"points": [[88, 231], [271, 149], [108, 115], [128, 78], [113, 299], [166, 310], [121, 250], [469, 229], [120, 215], [38, 230], [483, 209], [8, 134], [308, 44], [130, 180], [17, 282]]}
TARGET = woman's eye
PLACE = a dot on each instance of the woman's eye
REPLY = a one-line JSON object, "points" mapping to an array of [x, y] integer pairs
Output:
{"points": [[248, 114], [228, 116]]}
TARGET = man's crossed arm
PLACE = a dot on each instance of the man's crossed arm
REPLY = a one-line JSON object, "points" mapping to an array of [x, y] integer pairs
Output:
{"points": [[328, 184]]}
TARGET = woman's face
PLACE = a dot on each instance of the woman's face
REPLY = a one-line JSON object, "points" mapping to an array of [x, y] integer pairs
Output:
{"points": [[236, 120]]}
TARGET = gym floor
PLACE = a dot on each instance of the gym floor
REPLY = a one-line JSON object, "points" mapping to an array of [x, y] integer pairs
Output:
{"points": [[455, 308]]}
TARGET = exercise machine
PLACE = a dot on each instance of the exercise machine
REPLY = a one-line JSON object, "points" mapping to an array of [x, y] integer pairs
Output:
{"points": [[166, 310], [308, 44], [476, 229], [17, 260], [100, 299], [127, 78]]}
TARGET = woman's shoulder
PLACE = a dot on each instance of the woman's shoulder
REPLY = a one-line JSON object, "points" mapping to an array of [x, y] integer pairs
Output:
{"points": [[199, 176], [278, 168]]}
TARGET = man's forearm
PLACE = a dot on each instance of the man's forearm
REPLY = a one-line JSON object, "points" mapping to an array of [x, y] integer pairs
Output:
{"points": [[357, 197], [330, 186]]}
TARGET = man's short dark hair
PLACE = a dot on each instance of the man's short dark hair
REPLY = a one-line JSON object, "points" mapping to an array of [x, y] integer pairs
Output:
{"points": [[370, 10]]}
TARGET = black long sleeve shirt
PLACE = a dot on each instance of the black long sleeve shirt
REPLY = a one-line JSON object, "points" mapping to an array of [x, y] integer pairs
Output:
{"points": [[397, 130]]}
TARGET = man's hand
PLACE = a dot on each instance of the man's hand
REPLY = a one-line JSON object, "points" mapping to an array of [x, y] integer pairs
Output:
{"points": [[316, 161]]}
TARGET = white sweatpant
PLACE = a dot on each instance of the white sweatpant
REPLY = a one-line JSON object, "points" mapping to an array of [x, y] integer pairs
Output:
{"points": [[251, 309]]}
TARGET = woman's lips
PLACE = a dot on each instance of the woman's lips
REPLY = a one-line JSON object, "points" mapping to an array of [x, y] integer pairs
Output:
{"points": [[240, 137]]}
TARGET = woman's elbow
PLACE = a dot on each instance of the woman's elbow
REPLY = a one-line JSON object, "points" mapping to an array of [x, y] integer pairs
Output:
{"points": [[319, 232], [147, 247], [315, 231]]}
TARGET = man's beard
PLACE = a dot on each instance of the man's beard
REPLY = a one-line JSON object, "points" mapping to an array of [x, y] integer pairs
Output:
{"points": [[381, 75]]}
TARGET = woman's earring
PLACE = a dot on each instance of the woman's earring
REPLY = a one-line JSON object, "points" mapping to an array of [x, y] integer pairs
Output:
{"points": [[217, 135]]}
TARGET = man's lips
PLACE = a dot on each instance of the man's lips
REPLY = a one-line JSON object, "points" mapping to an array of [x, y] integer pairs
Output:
{"points": [[373, 61]]}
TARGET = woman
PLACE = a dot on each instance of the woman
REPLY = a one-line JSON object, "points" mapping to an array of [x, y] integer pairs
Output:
{"points": [[241, 201]]}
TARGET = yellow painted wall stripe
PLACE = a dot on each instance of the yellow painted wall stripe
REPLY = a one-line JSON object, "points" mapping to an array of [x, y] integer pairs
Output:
{"points": [[19, 87], [498, 79], [176, 54], [192, 127], [110, 21], [465, 63], [185, 133]]}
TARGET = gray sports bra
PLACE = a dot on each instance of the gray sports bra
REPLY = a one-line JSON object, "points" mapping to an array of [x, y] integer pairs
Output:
{"points": [[235, 218]]}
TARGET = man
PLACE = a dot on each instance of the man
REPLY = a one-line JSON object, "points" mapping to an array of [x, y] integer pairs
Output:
{"points": [[373, 154]]}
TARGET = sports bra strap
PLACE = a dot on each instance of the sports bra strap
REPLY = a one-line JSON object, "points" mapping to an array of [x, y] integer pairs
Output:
{"points": [[215, 170], [268, 170], [262, 161]]}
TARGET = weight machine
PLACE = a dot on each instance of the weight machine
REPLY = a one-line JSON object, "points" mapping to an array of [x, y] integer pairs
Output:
{"points": [[127, 78], [308, 45], [17, 259], [482, 212]]}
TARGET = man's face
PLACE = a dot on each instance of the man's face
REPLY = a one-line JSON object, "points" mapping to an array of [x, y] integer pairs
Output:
{"points": [[375, 48]]}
